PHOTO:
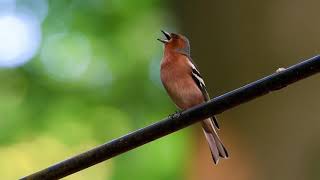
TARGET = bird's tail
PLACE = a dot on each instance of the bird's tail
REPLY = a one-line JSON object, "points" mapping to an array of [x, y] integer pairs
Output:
{"points": [[216, 147]]}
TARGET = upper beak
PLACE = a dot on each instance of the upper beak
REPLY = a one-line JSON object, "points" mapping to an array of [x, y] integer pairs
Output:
{"points": [[167, 35]]}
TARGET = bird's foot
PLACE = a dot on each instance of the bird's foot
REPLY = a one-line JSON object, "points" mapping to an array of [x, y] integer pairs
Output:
{"points": [[175, 115]]}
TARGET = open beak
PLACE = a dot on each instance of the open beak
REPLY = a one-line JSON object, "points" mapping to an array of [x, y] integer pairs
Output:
{"points": [[167, 35]]}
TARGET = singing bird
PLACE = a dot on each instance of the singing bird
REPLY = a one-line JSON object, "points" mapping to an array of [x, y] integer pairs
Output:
{"points": [[185, 86]]}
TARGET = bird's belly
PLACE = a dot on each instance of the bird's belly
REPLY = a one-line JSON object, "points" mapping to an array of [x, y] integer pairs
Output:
{"points": [[184, 92]]}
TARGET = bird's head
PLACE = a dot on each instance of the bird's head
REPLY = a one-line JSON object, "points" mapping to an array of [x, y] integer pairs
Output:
{"points": [[176, 43]]}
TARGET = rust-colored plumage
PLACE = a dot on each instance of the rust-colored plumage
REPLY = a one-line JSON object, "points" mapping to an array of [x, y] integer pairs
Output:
{"points": [[186, 87]]}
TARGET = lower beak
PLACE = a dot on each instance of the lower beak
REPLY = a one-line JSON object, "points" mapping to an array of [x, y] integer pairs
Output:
{"points": [[163, 40], [167, 35]]}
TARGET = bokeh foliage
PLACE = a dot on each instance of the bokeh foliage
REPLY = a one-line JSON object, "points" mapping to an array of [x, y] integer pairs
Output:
{"points": [[94, 78]]}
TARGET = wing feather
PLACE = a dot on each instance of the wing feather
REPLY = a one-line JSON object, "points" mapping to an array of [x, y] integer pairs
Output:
{"points": [[196, 76]]}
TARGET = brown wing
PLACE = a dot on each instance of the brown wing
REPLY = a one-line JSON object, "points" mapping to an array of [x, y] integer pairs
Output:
{"points": [[196, 76]]}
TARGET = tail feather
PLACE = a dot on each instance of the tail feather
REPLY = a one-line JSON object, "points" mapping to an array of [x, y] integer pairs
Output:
{"points": [[216, 147], [215, 122], [213, 147]]}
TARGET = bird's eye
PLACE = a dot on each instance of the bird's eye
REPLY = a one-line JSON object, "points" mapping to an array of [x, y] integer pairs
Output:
{"points": [[175, 36]]}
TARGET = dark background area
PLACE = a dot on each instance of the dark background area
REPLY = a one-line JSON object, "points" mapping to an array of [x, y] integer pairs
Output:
{"points": [[233, 43]]}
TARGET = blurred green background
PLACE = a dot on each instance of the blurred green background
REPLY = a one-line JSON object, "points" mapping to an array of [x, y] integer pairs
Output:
{"points": [[75, 74]]}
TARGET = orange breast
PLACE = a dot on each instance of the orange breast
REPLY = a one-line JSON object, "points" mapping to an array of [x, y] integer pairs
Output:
{"points": [[178, 82]]}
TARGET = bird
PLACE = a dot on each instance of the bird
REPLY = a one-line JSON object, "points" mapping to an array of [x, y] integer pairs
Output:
{"points": [[185, 86]]}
